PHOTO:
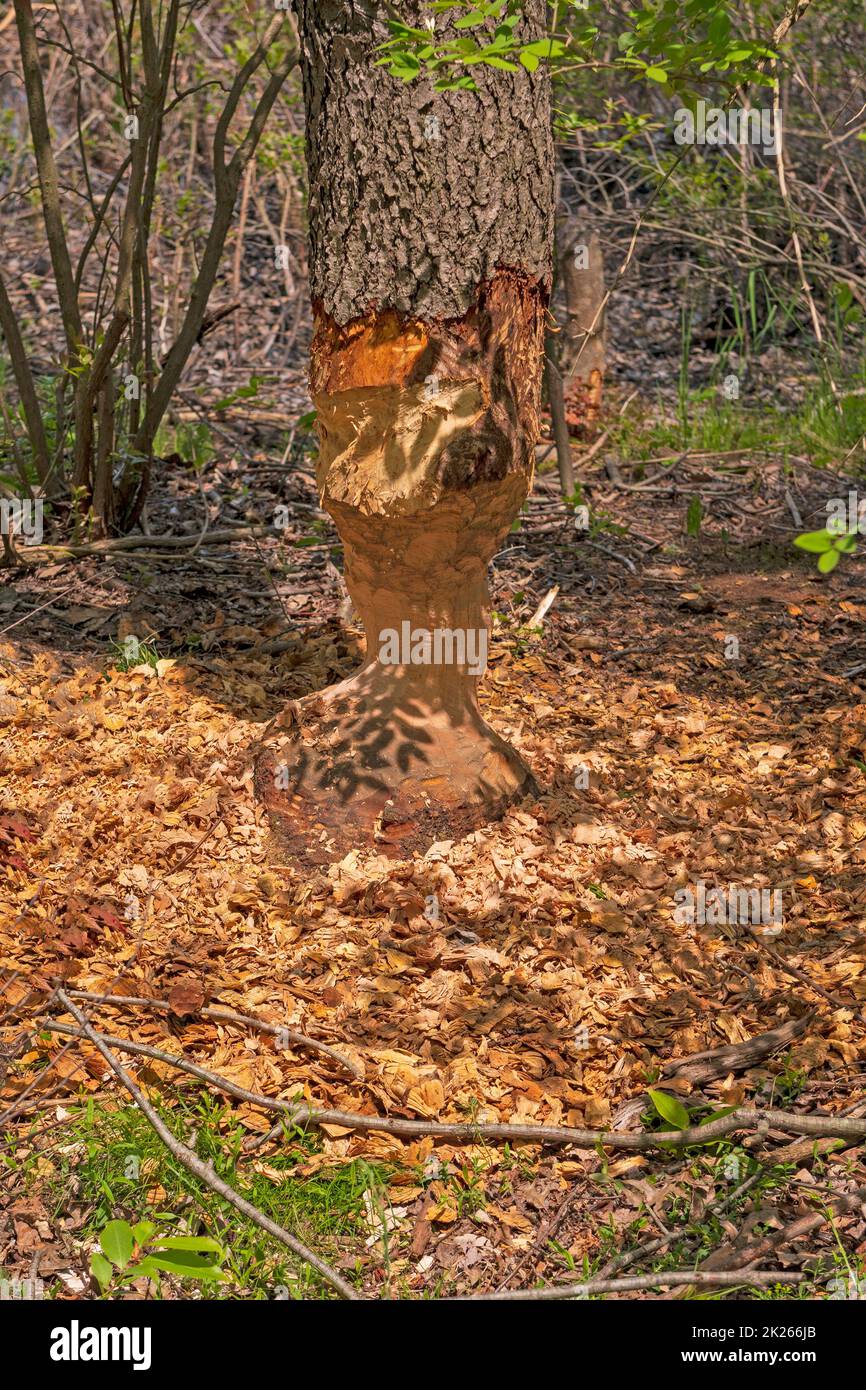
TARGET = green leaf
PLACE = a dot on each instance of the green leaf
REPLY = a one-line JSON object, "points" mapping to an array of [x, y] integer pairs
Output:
{"points": [[406, 59], [737, 55], [718, 1114], [101, 1270], [117, 1241], [828, 561], [816, 541], [469, 20], [186, 1264], [142, 1232], [501, 63], [670, 1109], [545, 48], [404, 31], [189, 1243], [529, 61], [657, 74], [147, 1269]]}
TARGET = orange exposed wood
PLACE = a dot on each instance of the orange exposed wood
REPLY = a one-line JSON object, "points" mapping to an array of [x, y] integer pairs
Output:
{"points": [[427, 437]]}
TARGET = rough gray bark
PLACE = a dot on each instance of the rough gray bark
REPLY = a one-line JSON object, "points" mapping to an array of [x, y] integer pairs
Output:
{"points": [[403, 215]]}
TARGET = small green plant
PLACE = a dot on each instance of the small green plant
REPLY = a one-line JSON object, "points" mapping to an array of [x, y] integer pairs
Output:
{"points": [[829, 546], [677, 1116], [790, 1083], [694, 517], [132, 652], [519, 636], [129, 1252], [672, 1111], [242, 393]]}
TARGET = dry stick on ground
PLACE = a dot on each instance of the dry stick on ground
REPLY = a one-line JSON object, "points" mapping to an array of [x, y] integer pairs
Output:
{"points": [[544, 607], [708, 1066], [222, 537], [826, 1126], [803, 1226], [760, 1278], [650, 1247], [796, 974], [198, 1167], [544, 1236], [222, 1015]]}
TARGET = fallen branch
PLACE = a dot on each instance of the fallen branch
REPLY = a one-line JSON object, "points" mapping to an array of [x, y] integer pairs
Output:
{"points": [[221, 1015], [719, 1061], [115, 543], [606, 550], [826, 1126], [795, 973], [156, 1054], [544, 607], [199, 1168], [758, 1278], [729, 1258]]}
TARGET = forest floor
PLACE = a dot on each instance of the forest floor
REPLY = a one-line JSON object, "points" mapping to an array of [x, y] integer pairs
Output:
{"points": [[557, 983]]}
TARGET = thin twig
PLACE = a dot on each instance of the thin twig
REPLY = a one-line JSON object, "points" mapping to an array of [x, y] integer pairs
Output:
{"points": [[222, 1015]]}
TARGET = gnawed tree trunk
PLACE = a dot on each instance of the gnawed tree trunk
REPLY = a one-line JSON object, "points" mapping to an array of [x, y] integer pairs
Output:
{"points": [[430, 264], [580, 262]]}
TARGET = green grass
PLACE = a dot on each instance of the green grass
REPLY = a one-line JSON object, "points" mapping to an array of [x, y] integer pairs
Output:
{"points": [[821, 428], [109, 1164], [131, 652]]}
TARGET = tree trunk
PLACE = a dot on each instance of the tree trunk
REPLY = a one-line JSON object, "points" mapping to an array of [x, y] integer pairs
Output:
{"points": [[430, 265], [584, 350]]}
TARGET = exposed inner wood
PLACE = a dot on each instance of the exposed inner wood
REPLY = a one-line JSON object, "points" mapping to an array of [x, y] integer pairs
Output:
{"points": [[427, 433]]}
